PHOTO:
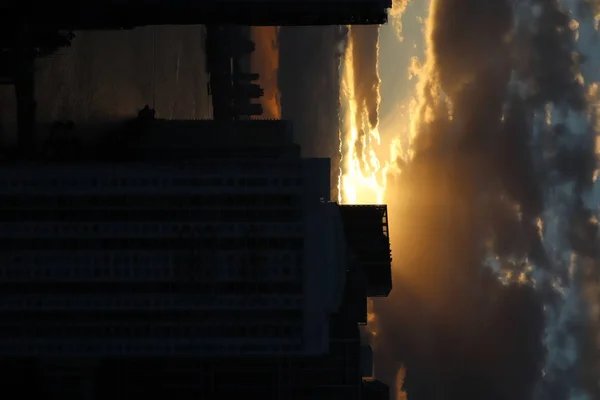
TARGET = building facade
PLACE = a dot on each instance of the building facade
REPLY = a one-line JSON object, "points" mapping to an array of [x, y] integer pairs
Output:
{"points": [[199, 259], [119, 14], [235, 253]]}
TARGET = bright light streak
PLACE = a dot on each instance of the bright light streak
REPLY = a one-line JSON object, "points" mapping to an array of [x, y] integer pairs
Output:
{"points": [[362, 178]]}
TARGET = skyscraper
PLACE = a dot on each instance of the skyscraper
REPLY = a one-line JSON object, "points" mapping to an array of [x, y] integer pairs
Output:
{"points": [[182, 251], [225, 243]]}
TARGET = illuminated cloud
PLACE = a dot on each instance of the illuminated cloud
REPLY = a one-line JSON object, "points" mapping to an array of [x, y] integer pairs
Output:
{"points": [[484, 177]]}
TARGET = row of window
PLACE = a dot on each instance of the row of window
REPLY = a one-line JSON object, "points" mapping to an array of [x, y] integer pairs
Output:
{"points": [[148, 302], [204, 215], [84, 258], [273, 271], [255, 330], [170, 243], [144, 316], [138, 182], [247, 288], [145, 262], [146, 229], [152, 201], [66, 347]]}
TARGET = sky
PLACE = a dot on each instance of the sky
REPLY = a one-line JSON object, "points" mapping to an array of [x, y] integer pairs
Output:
{"points": [[395, 57], [493, 211]]}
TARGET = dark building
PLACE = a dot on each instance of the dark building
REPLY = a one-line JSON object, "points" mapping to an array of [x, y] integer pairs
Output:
{"points": [[334, 376], [372, 389], [116, 14], [183, 324], [338, 375], [105, 293], [366, 229]]}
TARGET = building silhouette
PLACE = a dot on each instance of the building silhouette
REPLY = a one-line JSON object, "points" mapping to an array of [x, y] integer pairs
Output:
{"points": [[183, 259], [119, 14], [204, 258]]}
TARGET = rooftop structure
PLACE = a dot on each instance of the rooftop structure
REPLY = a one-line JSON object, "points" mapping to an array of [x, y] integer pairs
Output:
{"points": [[366, 230]]}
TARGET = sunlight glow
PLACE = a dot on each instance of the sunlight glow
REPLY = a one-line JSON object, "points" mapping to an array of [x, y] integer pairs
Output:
{"points": [[362, 178]]}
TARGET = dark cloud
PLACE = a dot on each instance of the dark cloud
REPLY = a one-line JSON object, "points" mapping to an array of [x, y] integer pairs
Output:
{"points": [[589, 366], [583, 231], [553, 72], [588, 9], [577, 163], [515, 162], [552, 63], [573, 156], [475, 188]]}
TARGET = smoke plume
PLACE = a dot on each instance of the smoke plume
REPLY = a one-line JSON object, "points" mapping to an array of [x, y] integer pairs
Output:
{"points": [[494, 187], [265, 61], [365, 46]]}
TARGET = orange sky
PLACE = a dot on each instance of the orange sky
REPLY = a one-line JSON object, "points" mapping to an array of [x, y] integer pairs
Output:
{"points": [[265, 61]]}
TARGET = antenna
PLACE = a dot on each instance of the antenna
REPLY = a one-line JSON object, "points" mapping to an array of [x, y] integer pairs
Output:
{"points": [[154, 68]]}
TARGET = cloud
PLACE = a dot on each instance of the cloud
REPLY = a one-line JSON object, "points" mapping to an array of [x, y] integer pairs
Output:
{"points": [[474, 194]]}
